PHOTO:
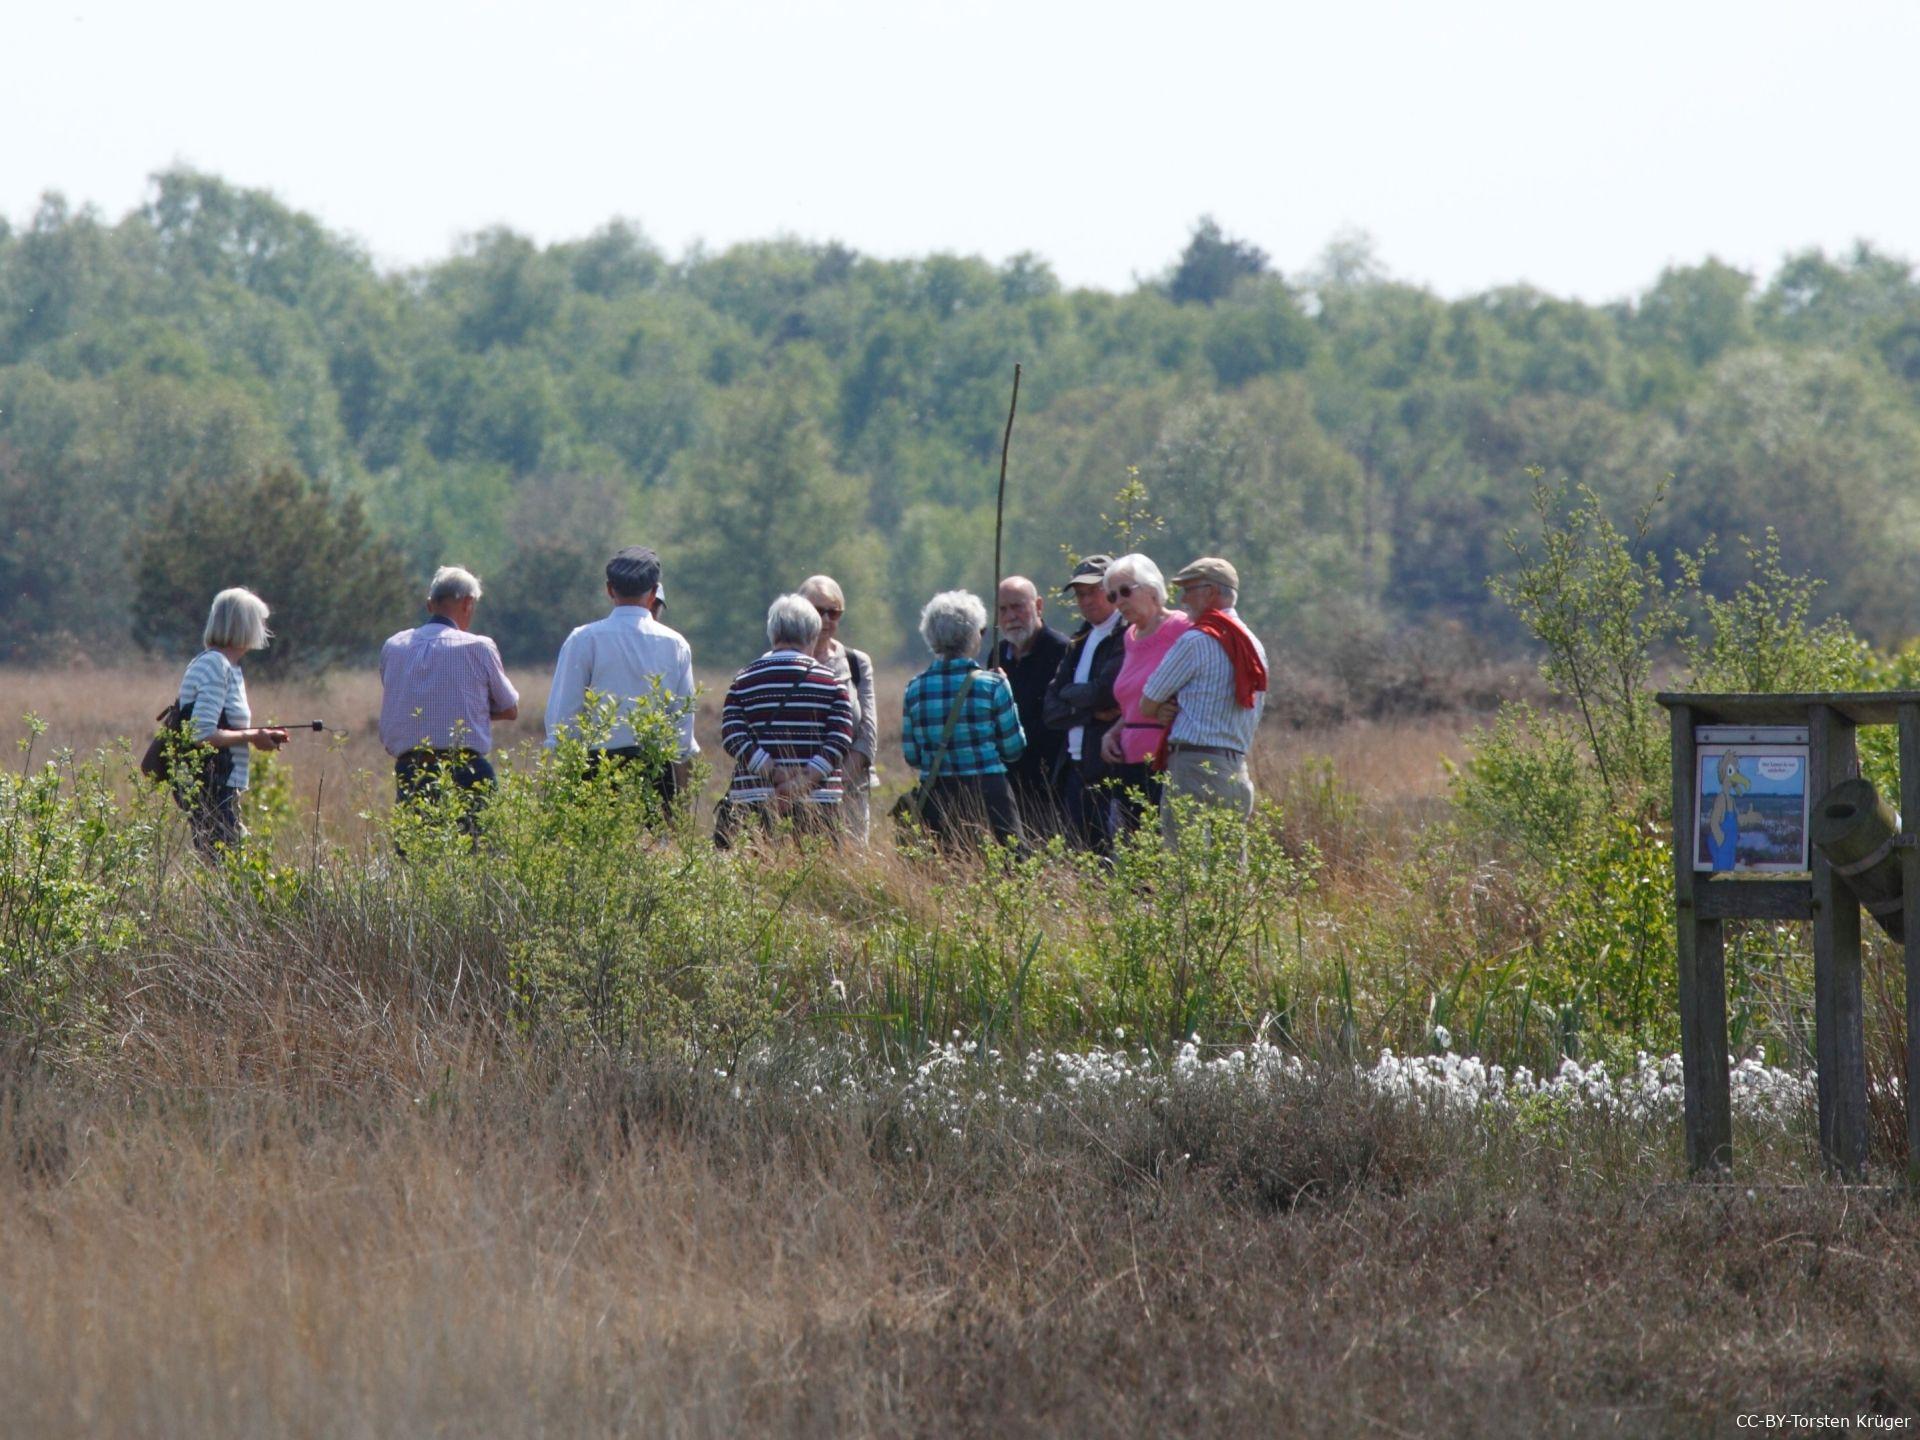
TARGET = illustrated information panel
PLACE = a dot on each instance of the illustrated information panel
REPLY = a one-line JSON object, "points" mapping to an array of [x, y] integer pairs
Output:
{"points": [[1750, 799]]}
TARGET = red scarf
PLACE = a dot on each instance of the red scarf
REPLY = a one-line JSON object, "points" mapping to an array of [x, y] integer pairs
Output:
{"points": [[1249, 670]]}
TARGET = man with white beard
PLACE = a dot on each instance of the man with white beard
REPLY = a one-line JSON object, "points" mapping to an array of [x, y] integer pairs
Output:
{"points": [[1030, 651]]}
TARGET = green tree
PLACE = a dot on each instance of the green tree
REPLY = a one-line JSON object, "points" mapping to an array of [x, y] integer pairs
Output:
{"points": [[755, 510], [1701, 311], [1823, 449], [564, 527], [1212, 265], [335, 588]]}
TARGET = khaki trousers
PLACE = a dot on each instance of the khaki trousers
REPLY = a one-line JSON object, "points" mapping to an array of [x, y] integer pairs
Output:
{"points": [[1218, 782]]}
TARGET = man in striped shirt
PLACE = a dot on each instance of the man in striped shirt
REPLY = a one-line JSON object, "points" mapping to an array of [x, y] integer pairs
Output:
{"points": [[788, 724], [1213, 682]]}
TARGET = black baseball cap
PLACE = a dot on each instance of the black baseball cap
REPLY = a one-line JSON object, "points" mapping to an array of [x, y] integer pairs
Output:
{"points": [[1091, 570]]}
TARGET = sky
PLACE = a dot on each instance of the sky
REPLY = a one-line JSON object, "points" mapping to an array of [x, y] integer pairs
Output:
{"points": [[1580, 148]]}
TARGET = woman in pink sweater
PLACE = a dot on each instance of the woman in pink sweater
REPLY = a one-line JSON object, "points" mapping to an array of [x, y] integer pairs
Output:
{"points": [[1139, 591]]}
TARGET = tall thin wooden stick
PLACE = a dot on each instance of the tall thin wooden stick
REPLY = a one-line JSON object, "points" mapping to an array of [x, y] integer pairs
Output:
{"points": [[999, 520]]}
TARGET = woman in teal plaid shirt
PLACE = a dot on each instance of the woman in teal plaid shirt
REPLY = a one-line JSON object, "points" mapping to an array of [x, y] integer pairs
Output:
{"points": [[964, 776]]}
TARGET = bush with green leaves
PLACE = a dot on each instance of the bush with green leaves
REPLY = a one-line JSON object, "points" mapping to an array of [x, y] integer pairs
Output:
{"points": [[1601, 610], [618, 921], [75, 878], [1195, 938], [1578, 801]]}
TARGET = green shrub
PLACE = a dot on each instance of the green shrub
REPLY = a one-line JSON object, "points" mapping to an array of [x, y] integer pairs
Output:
{"points": [[74, 879], [1528, 780], [1193, 940]]}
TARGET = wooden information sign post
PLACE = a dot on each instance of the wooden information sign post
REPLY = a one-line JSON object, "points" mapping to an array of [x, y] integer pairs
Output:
{"points": [[1703, 901]]}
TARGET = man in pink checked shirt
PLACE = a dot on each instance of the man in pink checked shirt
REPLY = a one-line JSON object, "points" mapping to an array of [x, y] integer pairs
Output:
{"points": [[441, 689]]}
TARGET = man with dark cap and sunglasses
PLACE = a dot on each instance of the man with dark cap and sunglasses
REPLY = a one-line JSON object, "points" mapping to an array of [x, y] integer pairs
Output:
{"points": [[1079, 701]]}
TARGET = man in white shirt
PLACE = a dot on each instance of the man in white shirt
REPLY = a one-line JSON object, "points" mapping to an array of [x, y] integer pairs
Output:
{"points": [[1079, 700], [629, 657]]}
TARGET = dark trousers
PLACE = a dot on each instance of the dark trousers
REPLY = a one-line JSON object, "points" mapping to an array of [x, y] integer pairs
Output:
{"points": [[215, 818], [657, 773], [416, 778], [1088, 807], [967, 809], [1041, 803], [730, 817], [1134, 793]]}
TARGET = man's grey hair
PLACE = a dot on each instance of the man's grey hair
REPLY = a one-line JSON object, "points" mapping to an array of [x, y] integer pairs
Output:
{"points": [[952, 623], [792, 621], [238, 617], [1141, 571], [1229, 597], [633, 572], [451, 582]]}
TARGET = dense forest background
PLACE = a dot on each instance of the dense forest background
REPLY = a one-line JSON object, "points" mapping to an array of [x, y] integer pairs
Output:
{"points": [[214, 389]]}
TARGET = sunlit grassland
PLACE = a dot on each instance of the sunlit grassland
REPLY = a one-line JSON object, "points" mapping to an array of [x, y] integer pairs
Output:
{"points": [[600, 1133]]}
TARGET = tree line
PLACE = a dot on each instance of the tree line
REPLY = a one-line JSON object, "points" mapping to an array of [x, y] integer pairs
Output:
{"points": [[214, 389]]}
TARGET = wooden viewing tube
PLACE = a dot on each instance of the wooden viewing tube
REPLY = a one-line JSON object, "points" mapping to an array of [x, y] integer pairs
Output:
{"points": [[1859, 833]]}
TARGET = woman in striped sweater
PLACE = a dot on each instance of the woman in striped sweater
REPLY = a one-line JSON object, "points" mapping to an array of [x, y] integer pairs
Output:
{"points": [[213, 696], [788, 724]]}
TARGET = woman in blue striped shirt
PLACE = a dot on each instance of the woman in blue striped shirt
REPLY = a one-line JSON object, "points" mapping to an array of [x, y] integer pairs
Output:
{"points": [[213, 697]]}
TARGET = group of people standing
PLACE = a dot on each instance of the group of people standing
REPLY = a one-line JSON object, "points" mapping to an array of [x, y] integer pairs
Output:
{"points": [[1145, 702], [1072, 734]]}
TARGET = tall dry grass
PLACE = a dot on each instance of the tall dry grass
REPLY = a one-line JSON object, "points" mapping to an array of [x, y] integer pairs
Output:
{"points": [[1392, 769], [474, 1238], [309, 1177]]}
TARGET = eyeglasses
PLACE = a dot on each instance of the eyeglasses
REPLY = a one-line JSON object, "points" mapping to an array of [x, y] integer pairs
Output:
{"points": [[1121, 592], [828, 612]]}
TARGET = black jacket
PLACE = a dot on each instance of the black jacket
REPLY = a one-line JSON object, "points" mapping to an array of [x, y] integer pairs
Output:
{"points": [[1068, 704], [1031, 676]]}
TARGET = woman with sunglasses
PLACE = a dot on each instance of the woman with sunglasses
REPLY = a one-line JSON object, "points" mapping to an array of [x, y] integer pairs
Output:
{"points": [[1139, 592], [854, 670]]}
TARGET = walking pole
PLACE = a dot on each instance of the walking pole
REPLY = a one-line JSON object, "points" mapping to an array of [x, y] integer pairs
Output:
{"points": [[999, 519]]}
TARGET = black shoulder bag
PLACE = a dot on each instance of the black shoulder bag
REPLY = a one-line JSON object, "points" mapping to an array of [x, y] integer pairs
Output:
{"points": [[913, 804], [192, 768]]}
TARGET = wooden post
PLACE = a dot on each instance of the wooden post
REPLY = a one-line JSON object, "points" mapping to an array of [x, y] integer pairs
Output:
{"points": [[1909, 722], [1701, 953], [1838, 1014]]}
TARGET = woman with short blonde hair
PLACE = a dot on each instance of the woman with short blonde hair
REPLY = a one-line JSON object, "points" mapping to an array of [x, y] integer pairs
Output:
{"points": [[854, 670], [215, 712]]}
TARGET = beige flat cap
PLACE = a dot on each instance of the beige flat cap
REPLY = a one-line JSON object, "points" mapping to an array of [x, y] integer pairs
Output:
{"points": [[1207, 570]]}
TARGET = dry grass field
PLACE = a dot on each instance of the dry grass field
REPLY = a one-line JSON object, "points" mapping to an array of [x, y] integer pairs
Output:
{"points": [[304, 1177], [1391, 764]]}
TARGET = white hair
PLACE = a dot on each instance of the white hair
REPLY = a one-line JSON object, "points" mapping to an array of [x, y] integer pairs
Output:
{"points": [[952, 623], [238, 617], [451, 582], [1141, 570], [826, 587], [792, 620]]}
